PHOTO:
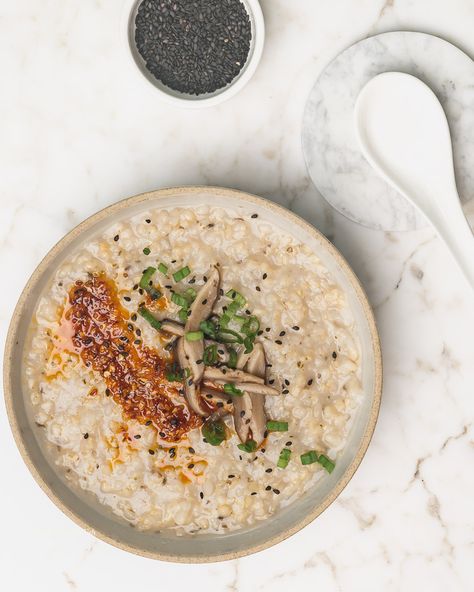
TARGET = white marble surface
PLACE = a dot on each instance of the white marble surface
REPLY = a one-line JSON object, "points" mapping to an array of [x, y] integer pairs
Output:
{"points": [[330, 145], [79, 131]]}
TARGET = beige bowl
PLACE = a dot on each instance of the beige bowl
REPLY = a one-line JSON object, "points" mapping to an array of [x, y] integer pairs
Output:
{"points": [[97, 519]]}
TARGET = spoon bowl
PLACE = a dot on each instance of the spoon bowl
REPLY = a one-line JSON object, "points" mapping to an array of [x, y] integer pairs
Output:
{"points": [[404, 134]]}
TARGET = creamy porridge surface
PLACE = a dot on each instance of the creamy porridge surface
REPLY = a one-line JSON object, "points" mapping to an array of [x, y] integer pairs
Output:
{"points": [[312, 360]]}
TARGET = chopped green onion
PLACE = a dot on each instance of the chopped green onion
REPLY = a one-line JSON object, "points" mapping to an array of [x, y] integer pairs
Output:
{"points": [[284, 458], [231, 389], [208, 328], [251, 326], [146, 314], [277, 426], [326, 463], [308, 458], [249, 446], [146, 251], [183, 315], [210, 355], [232, 361], [214, 431], [236, 297], [162, 268], [248, 342], [146, 278], [181, 274], [179, 299], [228, 336], [190, 294], [224, 320], [145, 282], [174, 376], [194, 335], [239, 320], [232, 309]]}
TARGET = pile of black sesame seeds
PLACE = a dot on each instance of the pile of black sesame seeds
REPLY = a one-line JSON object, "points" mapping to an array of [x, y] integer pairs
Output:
{"points": [[193, 46]]}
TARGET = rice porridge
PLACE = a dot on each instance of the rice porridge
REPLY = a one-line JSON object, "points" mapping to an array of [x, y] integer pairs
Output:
{"points": [[193, 369]]}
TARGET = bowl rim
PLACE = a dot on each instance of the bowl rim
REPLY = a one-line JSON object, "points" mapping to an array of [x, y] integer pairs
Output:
{"points": [[256, 15], [248, 199]]}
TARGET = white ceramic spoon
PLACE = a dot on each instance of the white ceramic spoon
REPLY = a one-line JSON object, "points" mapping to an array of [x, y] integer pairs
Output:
{"points": [[404, 134]]}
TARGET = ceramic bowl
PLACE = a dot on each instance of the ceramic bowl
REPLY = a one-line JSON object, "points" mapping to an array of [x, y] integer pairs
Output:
{"points": [[209, 99], [83, 507]]}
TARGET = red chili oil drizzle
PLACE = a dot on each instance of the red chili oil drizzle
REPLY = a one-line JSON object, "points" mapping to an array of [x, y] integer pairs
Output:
{"points": [[133, 373]]}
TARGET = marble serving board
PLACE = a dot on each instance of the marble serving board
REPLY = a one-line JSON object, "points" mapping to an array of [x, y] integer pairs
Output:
{"points": [[330, 146]]}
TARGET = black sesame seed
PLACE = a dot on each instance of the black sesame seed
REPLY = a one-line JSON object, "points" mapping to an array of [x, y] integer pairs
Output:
{"points": [[334, 355], [148, 220], [162, 434], [296, 328], [258, 288], [287, 382], [116, 237], [264, 276], [254, 216], [134, 318], [267, 329], [278, 341], [204, 301], [253, 493], [86, 435], [310, 382], [285, 392], [230, 476], [277, 491], [201, 495], [268, 470], [271, 381], [268, 488], [282, 333], [150, 451], [191, 450], [289, 443], [127, 298], [137, 436]]}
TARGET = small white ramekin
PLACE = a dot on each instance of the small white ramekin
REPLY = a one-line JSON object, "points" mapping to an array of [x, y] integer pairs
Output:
{"points": [[205, 100]]}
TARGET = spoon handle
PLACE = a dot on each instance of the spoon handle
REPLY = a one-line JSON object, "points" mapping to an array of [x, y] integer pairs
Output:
{"points": [[452, 226]]}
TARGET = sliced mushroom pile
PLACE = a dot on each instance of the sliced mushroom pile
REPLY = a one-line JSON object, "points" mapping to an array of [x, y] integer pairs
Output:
{"points": [[218, 390]]}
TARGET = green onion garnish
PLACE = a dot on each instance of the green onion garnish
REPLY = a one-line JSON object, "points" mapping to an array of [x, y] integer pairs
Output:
{"points": [[179, 299], [210, 355], [194, 335], [236, 297], [251, 326], [190, 294], [228, 336], [145, 283], [181, 274], [146, 251], [208, 328], [308, 458], [326, 463], [146, 314], [183, 315], [284, 458], [231, 389], [146, 278], [232, 361], [248, 342], [249, 446], [214, 432], [277, 426], [162, 268]]}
